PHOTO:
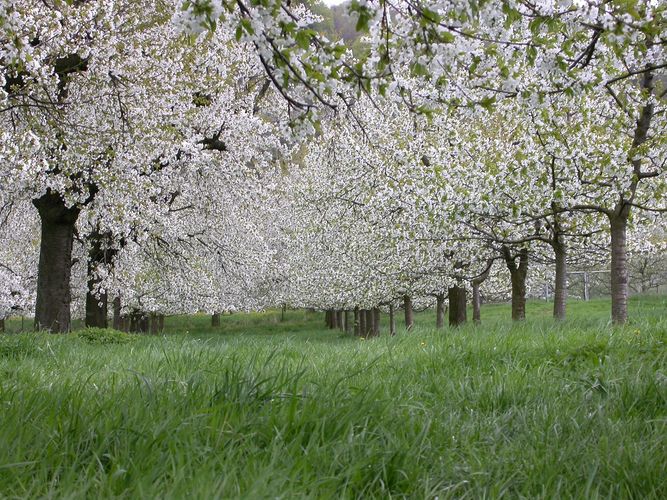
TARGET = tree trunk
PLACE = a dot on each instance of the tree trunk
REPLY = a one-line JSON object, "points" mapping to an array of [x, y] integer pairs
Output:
{"points": [[117, 319], [440, 311], [144, 323], [375, 313], [619, 268], [327, 318], [283, 312], [348, 322], [518, 296], [155, 326], [125, 323], [160, 320], [138, 322], [52, 309], [476, 303], [339, 319], [334, 319], [215, 320], [363, 327], [99, 255], [392, 321], [457, 306], [518, 274], [357, 322], [2, 325], [476, 296], [407, 308], [560, 288]]}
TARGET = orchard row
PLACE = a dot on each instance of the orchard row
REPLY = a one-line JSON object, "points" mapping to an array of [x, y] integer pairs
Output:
{"points": [[180, 156]]}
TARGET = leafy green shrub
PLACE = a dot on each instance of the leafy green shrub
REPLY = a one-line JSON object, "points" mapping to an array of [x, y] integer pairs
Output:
{"points": [[104, 336]]}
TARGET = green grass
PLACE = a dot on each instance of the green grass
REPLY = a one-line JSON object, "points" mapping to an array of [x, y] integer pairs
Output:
{"points": [[263, 408]]}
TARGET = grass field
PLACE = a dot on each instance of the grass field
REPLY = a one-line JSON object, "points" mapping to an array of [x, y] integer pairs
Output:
{"points": [[263, 408]]}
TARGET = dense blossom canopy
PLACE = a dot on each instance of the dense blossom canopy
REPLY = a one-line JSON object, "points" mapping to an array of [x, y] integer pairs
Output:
{"points": [[225, 155]]}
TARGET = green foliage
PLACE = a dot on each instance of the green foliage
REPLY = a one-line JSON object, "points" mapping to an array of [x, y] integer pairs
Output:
{"points": [[18, 346], [535, 409], [104, 336]]}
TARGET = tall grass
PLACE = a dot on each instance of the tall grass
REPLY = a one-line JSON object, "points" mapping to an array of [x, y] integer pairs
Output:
{"points": [[262, 408]]}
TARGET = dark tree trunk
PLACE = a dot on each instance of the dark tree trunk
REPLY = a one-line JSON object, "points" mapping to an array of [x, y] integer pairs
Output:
{"points": [[440, 311], [99, 255], [392, 320], [357, 322], [334, 319], [369, 323], [457, 306], [125, 323], [518, 274], [363, 327], [154, 324], [117, 319], [327, 318], [215, 320], [144, 323], [339, 319], [348, 322], [407, 308], [560, 288], [2, 325], [52, 309], [619, 268], [138, 322], [375, 314], [283, 312], [160, 320]]}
